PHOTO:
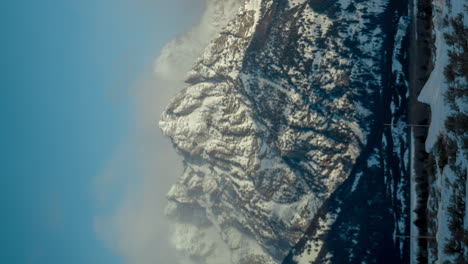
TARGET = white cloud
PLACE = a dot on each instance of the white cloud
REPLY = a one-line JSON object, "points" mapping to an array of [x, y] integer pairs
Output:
{"points": [[142, 170], [145, 166]]}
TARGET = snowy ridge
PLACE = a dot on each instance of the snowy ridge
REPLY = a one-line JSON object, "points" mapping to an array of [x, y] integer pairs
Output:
{"points": [[435, 88], [275, 115], [446, 142]]}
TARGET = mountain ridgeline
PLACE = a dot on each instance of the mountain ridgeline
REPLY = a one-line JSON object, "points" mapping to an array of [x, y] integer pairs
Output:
{"points": [[287, 158]]}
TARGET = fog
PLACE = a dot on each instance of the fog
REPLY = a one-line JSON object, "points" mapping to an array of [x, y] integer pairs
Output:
{"points": [[130, 191]]}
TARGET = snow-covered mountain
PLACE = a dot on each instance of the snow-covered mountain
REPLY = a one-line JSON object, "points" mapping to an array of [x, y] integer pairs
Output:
{"points": [[446, 92], [281, 128]]}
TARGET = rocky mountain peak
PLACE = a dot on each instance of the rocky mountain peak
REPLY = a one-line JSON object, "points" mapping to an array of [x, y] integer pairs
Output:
{"points": [[271, 123]]}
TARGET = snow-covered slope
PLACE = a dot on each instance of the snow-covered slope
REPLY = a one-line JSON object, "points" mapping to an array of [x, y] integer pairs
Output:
{"points": [[435, 88], [447, 94], [279, 106]]}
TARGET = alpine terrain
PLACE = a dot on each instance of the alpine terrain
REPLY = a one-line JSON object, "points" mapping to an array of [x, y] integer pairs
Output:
{"points": [[294, 138]]}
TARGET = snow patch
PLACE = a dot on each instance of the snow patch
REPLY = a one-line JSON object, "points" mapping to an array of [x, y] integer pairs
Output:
{"points": [[356, 181], [373, 160], [314, 244]]}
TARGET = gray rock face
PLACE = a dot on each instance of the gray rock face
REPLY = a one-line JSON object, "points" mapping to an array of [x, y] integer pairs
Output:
{"points": [[271, 123]]}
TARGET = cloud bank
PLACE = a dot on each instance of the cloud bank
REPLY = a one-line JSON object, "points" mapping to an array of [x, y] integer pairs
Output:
{"points": [[130, 191]]}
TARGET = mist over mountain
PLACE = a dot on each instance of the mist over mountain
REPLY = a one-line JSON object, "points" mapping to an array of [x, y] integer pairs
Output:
{"points": [[293, 130]]}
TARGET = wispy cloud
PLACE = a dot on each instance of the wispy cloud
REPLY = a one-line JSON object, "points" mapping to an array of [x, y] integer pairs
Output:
{"points": [[130, 191]]}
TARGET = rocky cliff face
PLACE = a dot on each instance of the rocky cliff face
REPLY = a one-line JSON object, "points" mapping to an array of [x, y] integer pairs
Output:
{"points": [[278, 108]]}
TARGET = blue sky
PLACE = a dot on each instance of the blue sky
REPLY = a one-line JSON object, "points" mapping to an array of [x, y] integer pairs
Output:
{"points": [[67, 67]]}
